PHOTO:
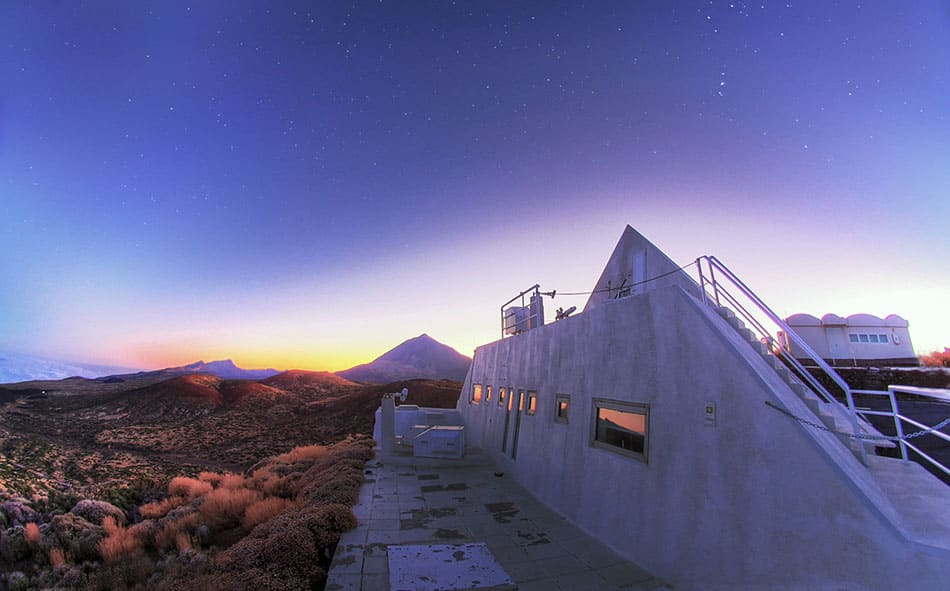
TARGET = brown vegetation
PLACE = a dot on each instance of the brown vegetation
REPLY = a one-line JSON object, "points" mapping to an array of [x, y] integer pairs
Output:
{"points": [[149, 482], [218, 531], [937, 358]]}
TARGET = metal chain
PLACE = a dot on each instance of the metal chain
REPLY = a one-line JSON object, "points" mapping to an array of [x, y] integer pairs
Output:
{"points": [[864, 436]]}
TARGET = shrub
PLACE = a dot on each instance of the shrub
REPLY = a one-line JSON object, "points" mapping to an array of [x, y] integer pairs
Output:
{"points": [[303, 452], [96, 511], [937, 358], [119, 544], [229, 480], [57, 557], [79, 537], [183, 542], [190, 488], [157, 509], [170, 528], [31, 533], [224, 507], [262, 510], [212, 478]]}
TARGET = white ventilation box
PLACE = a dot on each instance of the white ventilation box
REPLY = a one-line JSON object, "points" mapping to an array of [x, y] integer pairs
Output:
{"points": [[444, 441]]}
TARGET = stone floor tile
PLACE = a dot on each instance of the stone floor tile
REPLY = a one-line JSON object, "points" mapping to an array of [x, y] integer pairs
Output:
{"points": [[345, 582]]}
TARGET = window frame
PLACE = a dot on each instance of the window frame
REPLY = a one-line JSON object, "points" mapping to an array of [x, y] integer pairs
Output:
{"points": [[502, 395], [627, 407], [476, 399], [487, 393], [532, 396], [558, 417]]}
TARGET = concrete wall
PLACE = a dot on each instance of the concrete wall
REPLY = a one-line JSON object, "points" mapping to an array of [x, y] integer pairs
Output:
{"points": [[636, 266], [756, 500]]}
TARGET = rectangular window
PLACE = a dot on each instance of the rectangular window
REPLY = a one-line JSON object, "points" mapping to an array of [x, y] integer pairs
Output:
{"points": [[501, 395], [863, 337], [562, 401], [520, 400], [532, 402], [621, 427], [487, 393], [853, 338], [883, 338], [476, 393], [873, 338]]}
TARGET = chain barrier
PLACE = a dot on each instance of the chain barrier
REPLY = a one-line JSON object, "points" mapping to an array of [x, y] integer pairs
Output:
{"points": [[864, 436]]}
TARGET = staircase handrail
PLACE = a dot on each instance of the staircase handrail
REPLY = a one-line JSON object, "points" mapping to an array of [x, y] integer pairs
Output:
{"points": [[715, 264], [802, 373]]}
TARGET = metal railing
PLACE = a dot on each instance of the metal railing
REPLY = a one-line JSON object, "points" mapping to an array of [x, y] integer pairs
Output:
{"points": [[529, 315], [903, 442], [731, 292]]}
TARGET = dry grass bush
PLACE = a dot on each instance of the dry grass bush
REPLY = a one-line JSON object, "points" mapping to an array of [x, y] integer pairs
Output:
{"points": [[263, 510], [190, 488], [224, 507], [183, 542], [120, 544], [166, 535], [57, 557], [157, 509], [229, 480], [303, 452], [212, 478], [32, 535]]}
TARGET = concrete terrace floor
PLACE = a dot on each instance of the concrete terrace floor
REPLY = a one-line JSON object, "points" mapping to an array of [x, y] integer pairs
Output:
{"points": [[417, 501]]}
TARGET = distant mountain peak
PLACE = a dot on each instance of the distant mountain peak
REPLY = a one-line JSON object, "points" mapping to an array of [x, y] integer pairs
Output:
{"points": [[223, 368], [418, 357]]}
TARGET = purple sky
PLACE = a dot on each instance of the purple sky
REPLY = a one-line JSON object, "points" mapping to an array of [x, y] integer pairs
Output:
{"points": [[302, 186]]}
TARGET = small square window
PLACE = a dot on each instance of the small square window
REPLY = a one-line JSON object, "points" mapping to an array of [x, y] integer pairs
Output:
{"points": [[873, 338], [502, 393], [487, 393], [863, 337], [476, 393], [621, 427], [562, 402], [532, 403], [883, 338], [853, 338]]}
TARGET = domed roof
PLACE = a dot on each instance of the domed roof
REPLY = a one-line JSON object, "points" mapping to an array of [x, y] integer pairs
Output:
{"points": [[833, 320], [802, 320], [895, 320], [864, 320]]}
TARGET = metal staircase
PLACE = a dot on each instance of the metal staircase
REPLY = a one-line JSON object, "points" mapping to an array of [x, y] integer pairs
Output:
{"points": [[756, 323]]}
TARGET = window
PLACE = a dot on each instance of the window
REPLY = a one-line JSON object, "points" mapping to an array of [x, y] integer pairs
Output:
{"points": [[621, 427], [476, 393], [561, 403], [487, 393], [501, 395], [880, 339], [532, 402]]}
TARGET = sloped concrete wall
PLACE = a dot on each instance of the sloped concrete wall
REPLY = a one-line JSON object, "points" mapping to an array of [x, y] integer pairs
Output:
{"points": [[756, 500]]}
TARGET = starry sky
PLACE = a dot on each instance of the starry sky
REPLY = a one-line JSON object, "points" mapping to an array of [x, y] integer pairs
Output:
{"points": [[307, 184]]}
